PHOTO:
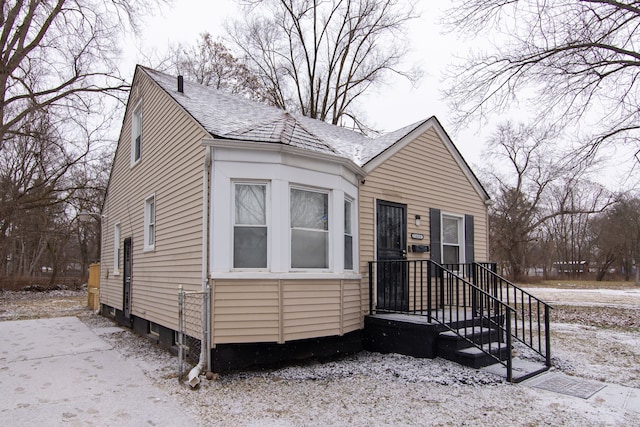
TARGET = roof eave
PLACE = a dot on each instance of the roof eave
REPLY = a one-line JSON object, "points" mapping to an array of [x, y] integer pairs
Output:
{"points": [[284, 148]]}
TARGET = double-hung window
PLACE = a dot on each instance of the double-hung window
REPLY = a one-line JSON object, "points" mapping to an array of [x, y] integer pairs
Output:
{"points": [[136, 135], [150, 223], [250, 229], [309, 211], [116, 249], [452, 240], [348, 236]]}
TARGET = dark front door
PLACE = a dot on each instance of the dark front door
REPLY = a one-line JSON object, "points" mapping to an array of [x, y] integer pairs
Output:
{"points": [[392, 283], [126, 280]]}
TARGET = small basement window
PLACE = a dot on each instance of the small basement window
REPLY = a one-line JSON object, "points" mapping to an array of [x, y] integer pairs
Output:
{"points": [[154, 329]]}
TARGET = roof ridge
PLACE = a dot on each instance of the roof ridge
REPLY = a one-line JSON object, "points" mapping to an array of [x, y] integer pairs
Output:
{"points": [[281, 126]]}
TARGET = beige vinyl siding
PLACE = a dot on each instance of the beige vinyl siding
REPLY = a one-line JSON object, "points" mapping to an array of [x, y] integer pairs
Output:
{"points": [[311, 308], [422, 175], [247, 311], [170, 169], [352, 319]]}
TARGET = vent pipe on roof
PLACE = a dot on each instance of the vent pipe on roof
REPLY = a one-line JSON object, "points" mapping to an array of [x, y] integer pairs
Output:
{"points": [[180, 84]]}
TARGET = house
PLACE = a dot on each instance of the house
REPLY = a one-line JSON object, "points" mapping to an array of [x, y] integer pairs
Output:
{"points": [[278, 214]]}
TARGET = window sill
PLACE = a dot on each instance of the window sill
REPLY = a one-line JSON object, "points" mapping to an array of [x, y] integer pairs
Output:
{"points": [[308, 275]]}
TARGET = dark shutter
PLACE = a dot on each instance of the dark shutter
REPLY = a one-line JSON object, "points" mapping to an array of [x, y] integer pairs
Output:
{"points": [[468, 239], [434, 235]]}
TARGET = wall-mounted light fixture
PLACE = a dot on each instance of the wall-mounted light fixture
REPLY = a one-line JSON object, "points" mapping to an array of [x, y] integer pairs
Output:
{"points": [[417, 220]]}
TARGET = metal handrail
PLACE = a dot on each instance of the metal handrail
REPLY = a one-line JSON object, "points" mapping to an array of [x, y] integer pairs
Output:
{"points": [[448, 299], [532, 326]]}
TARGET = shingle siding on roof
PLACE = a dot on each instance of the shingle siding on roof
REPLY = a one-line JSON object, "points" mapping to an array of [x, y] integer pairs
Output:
{"points": [[228, 116], [171, 168], [422, 175]]}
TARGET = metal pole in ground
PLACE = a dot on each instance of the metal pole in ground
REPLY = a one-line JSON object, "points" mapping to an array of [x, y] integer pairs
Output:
{"points": [[180, 327]]}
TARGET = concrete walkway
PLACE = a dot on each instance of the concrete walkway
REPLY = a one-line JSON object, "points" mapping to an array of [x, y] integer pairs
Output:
{"points": [[598, 393], [58, 372]]}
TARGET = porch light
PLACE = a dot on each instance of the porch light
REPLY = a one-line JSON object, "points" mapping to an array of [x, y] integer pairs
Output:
{"points": [[417, 220]]}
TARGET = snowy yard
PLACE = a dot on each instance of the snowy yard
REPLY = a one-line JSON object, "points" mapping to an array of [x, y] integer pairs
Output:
{"points": [[596, 335]]}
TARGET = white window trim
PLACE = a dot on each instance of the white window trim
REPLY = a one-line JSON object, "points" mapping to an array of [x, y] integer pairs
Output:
{"points": [[147, 223], [116, 249], [267, 220], [281, 174], [348, 199], [330, 221], [461, 242], [137, 110]]}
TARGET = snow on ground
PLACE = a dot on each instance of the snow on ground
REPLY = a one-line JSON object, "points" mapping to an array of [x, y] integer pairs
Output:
{"points": [[374, 389], [596, 353], [589, 297]]}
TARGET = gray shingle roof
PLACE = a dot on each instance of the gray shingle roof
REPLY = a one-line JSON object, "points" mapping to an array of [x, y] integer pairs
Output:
{"points": [[232, 117]]}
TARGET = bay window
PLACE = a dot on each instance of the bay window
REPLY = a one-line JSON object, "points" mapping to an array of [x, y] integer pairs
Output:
{"points": [[250, 230], [309, 210], [348, 236]]}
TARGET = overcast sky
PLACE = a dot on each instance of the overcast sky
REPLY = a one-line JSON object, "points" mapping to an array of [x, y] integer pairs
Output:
{"points": [[386, 108]]}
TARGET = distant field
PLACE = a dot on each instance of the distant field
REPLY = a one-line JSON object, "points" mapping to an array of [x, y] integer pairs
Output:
{"points": [[583, 284]]}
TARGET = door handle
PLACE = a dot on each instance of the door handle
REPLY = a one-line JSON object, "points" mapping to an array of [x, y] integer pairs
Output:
{"points": [[404, 253]]}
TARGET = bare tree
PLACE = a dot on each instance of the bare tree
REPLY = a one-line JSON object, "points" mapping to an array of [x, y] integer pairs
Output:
{"points": [[567, 58], [523, 201], [92, 179], [39, 177], [617, 237], [59, 78], [606, 243], [58, 55], [210, 63], [575, 201], [317, 57]]}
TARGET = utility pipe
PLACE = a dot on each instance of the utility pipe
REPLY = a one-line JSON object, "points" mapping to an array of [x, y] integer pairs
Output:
{"points": [[193, 379]]}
